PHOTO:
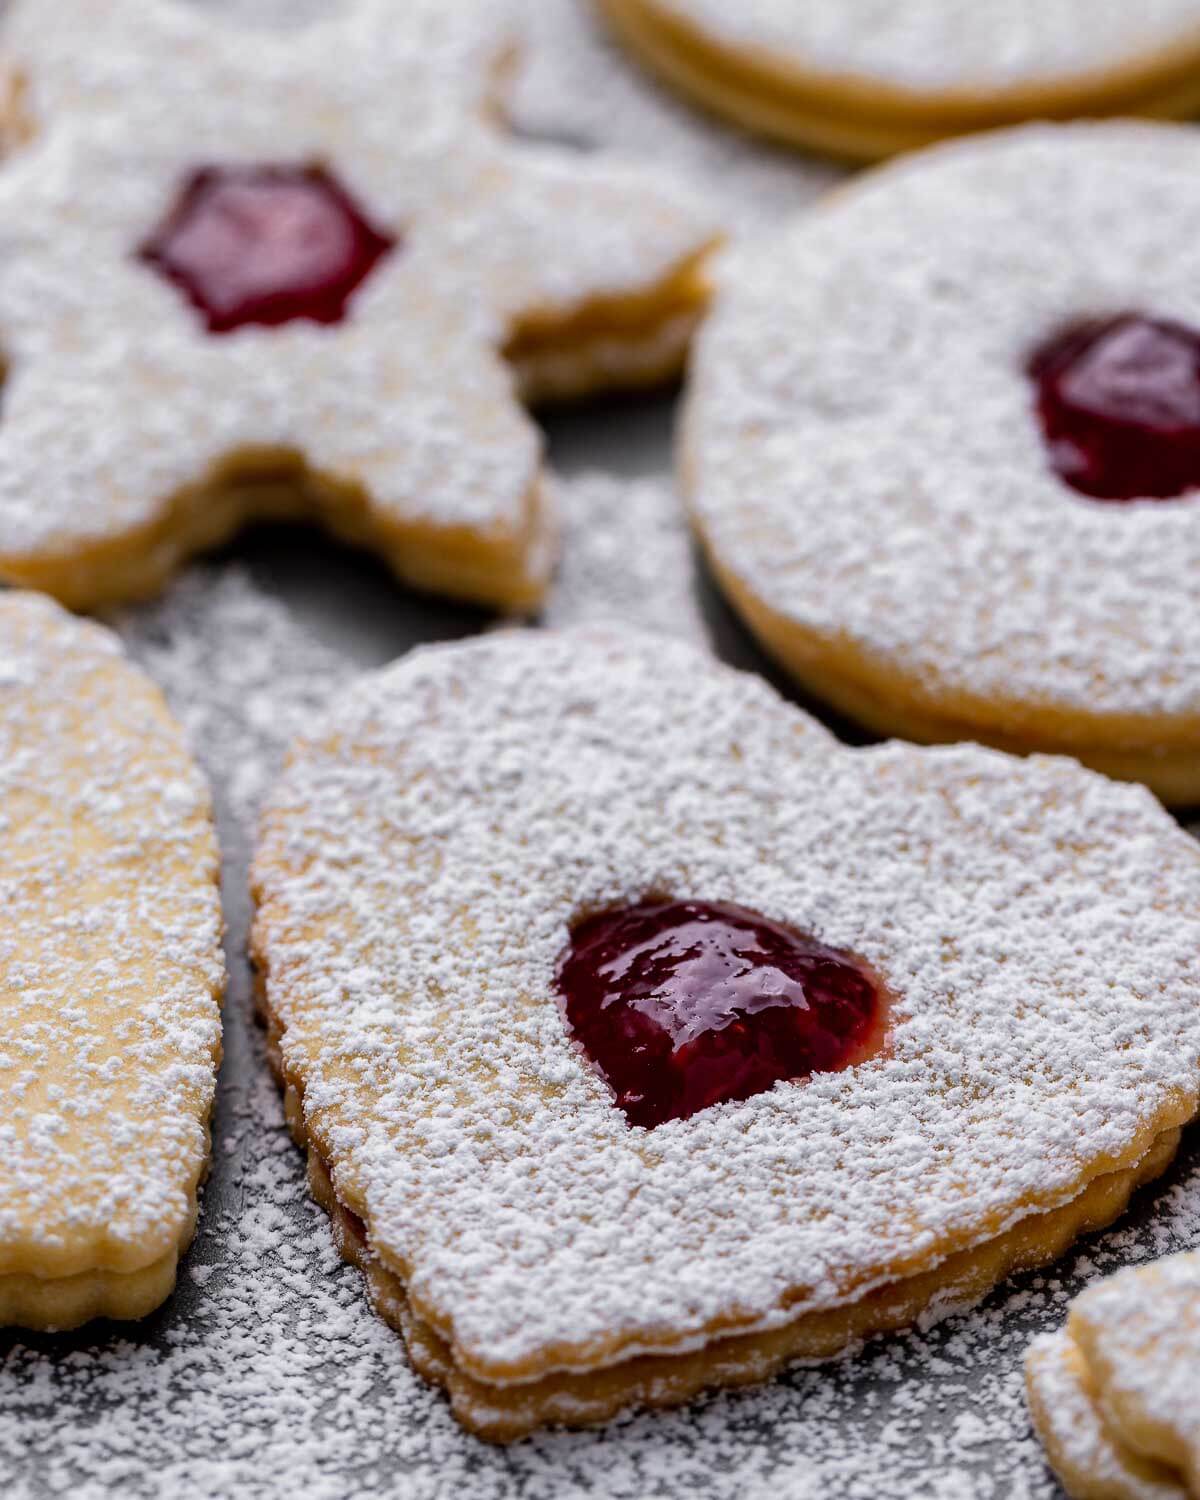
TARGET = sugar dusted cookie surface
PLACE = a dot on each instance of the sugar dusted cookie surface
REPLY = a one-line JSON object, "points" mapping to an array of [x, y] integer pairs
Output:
{"points": [[424, 863], [1114, 1394], [110, 976], [177, 361], [1140, 1335], [1089, 1459], [867, 463], [865, 78]]}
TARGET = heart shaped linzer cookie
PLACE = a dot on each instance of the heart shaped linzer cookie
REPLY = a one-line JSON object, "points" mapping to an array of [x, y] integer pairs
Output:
{"points": [[431, 858]]}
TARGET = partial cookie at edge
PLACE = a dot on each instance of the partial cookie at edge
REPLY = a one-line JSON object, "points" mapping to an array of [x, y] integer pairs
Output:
{"points": [[112, 975]]}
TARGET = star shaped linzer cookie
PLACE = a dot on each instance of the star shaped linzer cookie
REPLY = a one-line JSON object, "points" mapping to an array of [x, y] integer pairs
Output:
{"points": [[305, 274]]}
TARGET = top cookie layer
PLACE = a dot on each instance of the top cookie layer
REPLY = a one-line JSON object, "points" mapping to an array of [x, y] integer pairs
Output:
{"points": [[949, 46], [426, 855], [110, 958], [863, 450]]}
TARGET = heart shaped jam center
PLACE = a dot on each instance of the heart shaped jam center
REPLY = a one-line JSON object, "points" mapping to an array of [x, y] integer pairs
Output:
{"points": [[1119, 403], [266, 245], [683, 1004]]}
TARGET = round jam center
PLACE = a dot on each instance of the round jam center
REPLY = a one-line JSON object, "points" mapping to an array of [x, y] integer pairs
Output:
{"points": [[266, 244], [679, 1005], [1119, 403]]}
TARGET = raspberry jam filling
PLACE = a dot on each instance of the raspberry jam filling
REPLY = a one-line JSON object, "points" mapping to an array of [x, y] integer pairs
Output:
{"points": [[1119, 403], [266, 245], [683, 1004]]}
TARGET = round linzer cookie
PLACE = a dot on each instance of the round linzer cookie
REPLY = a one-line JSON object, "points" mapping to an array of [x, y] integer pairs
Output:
{"points": [[1114, 1395], [110, 977], [943, 447], [644, 1039], [863, 78], [319, 293]]}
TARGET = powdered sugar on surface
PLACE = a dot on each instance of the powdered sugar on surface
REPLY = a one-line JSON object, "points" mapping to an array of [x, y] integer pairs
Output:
{"points": [[947, 44], [627, 555], [243, 676], [864, 443]]}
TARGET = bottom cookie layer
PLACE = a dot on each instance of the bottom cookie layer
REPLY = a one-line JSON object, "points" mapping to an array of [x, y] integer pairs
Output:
{"points": [[503, 1414], [628, 345], [58, 1303]]}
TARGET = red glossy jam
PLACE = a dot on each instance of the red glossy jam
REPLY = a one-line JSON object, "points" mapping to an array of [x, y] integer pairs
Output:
{"points": [[266, 245], [679, 1005], [1119, 403]]}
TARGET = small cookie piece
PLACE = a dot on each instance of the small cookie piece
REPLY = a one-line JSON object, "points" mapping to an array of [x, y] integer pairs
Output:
{"points": [[1089, 1459], [1114, 1396], [864, 79], [643, 1038], [310, 301], [1139, 1332], [110, 977], [943, 446]]}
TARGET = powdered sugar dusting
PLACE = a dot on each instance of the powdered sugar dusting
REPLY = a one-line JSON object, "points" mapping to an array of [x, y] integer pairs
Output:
{"points": [[948, 44], [242, 674], [300, 1388], [275, 1378], [877, 352], [274, 13], [627, 555]]}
